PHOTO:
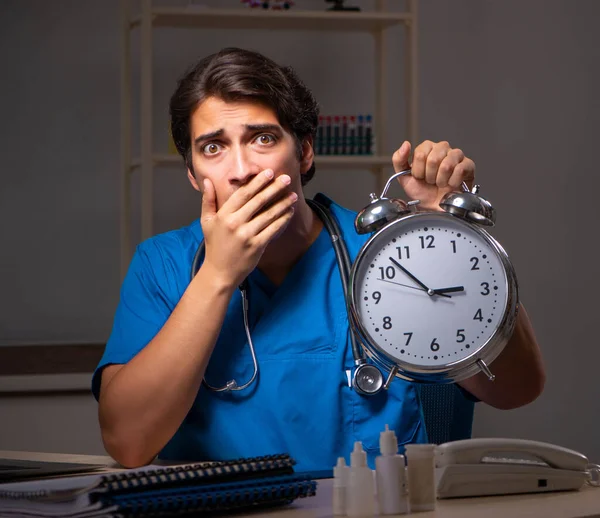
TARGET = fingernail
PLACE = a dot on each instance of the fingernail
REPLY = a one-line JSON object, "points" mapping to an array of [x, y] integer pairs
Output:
{"points": [[269, 173], [285, 179]]}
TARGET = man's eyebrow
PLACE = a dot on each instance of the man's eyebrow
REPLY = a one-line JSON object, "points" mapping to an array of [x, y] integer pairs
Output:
{"points": [[264, 127], [208, 136]]}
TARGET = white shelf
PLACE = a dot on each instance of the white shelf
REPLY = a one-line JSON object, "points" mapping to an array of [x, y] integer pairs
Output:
{"points": [[150, 17], [208, 18], [321, 161]]}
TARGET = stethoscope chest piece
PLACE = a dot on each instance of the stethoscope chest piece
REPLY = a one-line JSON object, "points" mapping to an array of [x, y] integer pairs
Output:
{"points": [[367, 379]]}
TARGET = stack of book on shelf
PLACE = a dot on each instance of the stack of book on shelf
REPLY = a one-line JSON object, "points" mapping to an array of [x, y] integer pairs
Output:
{"points": [[160, 491]]}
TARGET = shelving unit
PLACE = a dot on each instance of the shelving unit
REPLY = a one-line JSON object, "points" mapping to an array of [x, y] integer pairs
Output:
{"points": [[152, 17]]}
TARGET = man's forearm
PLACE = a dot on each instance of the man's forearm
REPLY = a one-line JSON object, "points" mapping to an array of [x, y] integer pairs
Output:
{"points": [[145, 402], [519, 371]]}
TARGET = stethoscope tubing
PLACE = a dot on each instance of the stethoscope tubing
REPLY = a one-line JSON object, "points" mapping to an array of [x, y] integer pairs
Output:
{"points": [[344, 266]]}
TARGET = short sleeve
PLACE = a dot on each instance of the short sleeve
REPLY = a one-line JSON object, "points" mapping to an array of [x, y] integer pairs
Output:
{"points": [[143, 309]]}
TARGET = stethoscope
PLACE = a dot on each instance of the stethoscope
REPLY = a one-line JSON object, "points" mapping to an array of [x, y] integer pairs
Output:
{"points": [[367, 379]]}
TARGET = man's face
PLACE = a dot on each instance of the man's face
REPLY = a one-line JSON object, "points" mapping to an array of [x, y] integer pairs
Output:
{"points": [[234, 141]]}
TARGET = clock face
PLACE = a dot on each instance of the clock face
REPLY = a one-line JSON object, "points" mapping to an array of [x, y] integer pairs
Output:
{"points": [[429, 290]]}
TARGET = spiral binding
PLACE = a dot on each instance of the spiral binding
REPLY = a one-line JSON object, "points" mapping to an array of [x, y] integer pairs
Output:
{"points": [[219, 471], [255, 494]]}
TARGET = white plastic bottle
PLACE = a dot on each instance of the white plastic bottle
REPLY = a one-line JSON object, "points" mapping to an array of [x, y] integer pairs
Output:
{"points": [[341, 473], [391, 480], [420, 460], [360, 501]]}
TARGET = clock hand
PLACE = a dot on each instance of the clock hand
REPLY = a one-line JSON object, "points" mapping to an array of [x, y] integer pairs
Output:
{"points": [[429, 292], [400, 284], [412, 287], [454, 289]]}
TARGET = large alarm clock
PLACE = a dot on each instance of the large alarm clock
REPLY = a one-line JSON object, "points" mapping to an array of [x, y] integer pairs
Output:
{"points": [[433, 296]]}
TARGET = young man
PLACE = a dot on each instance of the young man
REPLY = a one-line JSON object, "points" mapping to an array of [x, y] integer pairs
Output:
{"points": [[245, 127]]}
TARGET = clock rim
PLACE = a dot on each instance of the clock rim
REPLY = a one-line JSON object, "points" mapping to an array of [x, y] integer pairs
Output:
{"points": [[453, 371]]}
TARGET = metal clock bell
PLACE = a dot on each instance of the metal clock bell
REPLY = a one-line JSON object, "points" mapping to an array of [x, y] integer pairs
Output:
{"points": [[432, 295]]}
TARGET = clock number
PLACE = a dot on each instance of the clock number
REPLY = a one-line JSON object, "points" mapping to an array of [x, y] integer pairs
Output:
{"points": [[430, 240], [387, 273], [387, 322], [475, 262], [377, 296], [460, 335], [486, 288], [453, 246], [434, 345], [406, 249], [409, 335], [478, 316]]}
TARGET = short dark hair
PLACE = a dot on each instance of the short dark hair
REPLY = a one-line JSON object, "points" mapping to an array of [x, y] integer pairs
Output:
{"points": [[235, 75]]}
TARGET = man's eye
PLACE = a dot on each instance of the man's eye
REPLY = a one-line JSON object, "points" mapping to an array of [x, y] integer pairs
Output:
{"points": [[265, 139], [210, 149]]}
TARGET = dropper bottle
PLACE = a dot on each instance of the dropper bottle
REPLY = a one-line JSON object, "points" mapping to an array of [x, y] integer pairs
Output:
{"points": [[340, 484], [360, 500], [390, 474]]}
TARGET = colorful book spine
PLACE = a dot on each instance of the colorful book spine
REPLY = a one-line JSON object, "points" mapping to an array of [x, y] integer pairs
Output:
{"points": [[345, 135]]}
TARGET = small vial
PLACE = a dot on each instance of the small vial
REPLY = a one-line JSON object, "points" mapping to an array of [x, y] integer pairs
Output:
{"points": [[360, 501], [421, 476], [336, 135], [369, 142], [360, 136], [352, 135], [391, 481], [340, 483], [344, 136], [320, 137], [328, 136]]}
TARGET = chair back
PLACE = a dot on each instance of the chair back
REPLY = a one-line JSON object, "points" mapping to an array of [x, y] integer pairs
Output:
{"points": [[448, 412]]}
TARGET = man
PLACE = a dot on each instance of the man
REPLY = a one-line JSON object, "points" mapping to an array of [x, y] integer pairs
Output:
{"points": [[245, 128]]}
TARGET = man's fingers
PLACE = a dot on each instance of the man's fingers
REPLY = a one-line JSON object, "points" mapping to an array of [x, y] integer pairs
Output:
{"points": [[277, 210], [245, 193], [275, 228], [447, 166], [419, 162], [265, 198], [400, 157], [209, 200], [463, 172], [434, 159]]}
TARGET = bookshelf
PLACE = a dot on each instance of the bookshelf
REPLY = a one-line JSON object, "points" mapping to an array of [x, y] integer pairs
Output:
{"points": [[150, 18]]}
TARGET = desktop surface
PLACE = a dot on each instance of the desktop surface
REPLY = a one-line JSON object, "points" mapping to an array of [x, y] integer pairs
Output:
{"points": [[565, 504]]}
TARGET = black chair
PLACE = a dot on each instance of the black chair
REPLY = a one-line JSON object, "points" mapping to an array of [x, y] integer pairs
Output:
{"points": [[448, 412]]}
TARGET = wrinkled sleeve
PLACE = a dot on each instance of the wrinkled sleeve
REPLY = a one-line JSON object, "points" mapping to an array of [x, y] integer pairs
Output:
{"points": [[142, 311]]}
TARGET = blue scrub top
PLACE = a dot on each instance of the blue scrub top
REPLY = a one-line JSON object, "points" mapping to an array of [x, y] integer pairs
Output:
{"points": [[301, 403]]}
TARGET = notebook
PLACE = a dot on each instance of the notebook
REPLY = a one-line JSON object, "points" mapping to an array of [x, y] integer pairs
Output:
{"points": [[161, 491], [12, 470]]}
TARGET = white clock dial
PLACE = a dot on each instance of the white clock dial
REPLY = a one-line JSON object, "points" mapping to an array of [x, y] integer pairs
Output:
{"points": [[429, 290]]}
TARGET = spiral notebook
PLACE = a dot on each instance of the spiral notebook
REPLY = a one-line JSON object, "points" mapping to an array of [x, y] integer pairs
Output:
{"points": [[161, 491]]}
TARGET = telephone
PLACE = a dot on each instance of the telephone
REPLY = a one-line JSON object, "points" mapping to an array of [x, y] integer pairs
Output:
{"points": [[477, 467]]}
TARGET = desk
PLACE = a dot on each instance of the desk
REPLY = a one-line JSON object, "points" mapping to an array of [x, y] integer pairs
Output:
{"points": [[568, 504]]}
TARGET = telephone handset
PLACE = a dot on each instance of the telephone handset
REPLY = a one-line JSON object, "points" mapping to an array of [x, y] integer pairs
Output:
{"points": [[475, 467]]}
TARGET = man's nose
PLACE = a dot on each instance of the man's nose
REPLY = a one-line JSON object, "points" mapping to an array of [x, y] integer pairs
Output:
{"points": [[244, 168]]}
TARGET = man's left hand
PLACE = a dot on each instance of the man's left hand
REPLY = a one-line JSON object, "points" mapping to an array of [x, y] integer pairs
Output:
{"points": [[437, 169]]}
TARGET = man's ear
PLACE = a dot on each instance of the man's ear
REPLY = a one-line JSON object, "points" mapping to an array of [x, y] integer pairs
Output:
{"points": [[193, 180], [308, 155]]}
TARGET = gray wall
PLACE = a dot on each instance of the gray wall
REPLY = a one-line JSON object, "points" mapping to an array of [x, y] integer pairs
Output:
{"points": [[513, 83]]}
